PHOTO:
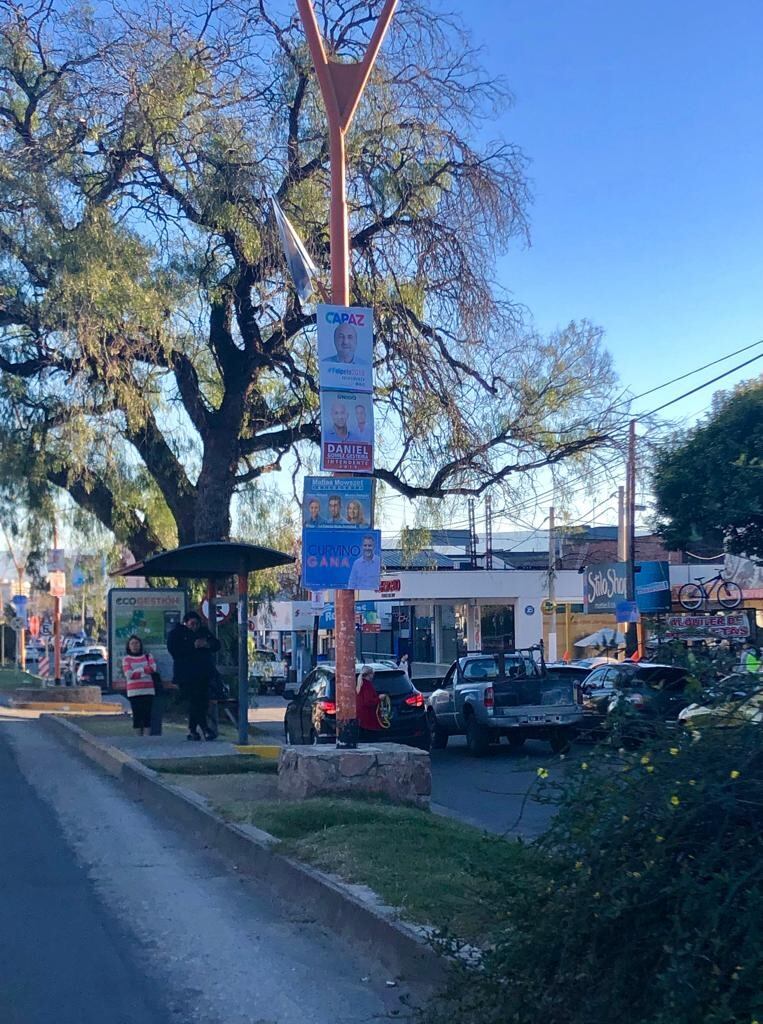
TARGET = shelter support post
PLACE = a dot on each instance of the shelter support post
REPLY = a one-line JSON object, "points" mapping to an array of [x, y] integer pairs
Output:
{"points": [[243, 658]]}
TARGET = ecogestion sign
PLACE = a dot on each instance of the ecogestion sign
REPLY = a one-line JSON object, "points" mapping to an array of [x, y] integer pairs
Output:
{"points": [[345, 347], [149, 614], [341, 559], [734, 625], [347, 432]]}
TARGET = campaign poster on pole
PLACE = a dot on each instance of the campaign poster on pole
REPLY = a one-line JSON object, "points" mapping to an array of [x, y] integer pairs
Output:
{"points": [[341, 559], [345, 347], [338, 501], [149, 614], [347, 432]]}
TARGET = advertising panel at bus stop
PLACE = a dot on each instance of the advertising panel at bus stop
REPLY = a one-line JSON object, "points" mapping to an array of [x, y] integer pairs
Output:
{"points": [[149, 614]]}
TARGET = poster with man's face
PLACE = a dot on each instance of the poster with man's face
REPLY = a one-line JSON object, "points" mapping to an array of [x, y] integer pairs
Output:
{"points": [[338, 501], [345, 347], [347, 432]]}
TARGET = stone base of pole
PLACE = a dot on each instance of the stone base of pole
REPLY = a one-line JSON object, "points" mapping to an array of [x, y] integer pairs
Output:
{"points": [[402, 774]]}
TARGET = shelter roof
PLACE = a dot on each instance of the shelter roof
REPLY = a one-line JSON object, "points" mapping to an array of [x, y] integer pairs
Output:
{"points": [[213, 560]]}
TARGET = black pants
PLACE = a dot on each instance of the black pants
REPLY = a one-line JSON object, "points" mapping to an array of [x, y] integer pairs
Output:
{"points": [[141, 711], [198, 705]]}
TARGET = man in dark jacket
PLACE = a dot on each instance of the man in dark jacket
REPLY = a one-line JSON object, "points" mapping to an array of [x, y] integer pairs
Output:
{"points": [[193, 647]]}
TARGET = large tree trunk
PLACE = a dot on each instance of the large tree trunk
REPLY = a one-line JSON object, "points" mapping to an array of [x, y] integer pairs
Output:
{"points": [[215, 486]]}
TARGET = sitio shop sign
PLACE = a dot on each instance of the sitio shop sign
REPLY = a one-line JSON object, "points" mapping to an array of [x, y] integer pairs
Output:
{"points": [[682, 627]]}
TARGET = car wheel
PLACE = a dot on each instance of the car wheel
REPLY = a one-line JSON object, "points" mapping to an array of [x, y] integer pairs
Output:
{"points": [[262, 688], [516, 742], [560, 741], [438, 736], [477, 737]]}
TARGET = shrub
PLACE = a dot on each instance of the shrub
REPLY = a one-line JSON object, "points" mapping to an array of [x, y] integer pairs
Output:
{"points": [[652, 907]]}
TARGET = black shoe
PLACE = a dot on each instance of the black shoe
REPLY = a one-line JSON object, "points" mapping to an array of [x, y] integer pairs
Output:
{"points": [[209, 736], [193, 736]]}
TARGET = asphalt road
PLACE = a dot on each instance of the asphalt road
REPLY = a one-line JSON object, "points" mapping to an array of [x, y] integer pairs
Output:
{"points": [[497, 792], [106, 915]]}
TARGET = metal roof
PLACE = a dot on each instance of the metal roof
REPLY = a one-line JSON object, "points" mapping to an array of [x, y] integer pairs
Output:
{"points": [[214, 560]]}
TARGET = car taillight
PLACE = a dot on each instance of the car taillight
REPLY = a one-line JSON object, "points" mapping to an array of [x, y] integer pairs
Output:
{"points": [[327, 706], [489, 699], [416, 700]]}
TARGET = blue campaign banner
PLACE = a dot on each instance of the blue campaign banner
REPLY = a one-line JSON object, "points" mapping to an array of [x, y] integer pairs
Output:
{"points": [[341, 559], [332, 502], [653, 587], [627, 611]]}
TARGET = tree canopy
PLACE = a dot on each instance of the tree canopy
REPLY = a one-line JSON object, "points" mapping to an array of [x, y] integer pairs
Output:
{"points": [[154, 358], [708, 483]]}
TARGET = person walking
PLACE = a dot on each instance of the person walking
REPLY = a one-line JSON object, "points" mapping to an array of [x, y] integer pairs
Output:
{"points": [[193, 647], [139, 669]]}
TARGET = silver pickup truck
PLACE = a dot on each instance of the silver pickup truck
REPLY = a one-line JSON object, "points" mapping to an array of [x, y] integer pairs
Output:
{"points": [[486, 696]]}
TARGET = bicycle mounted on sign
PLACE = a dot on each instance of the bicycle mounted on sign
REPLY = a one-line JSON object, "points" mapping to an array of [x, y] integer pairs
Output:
{"points": [[692, 596]]}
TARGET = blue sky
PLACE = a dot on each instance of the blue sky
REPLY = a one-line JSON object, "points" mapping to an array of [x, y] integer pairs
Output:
{"points": [[643, 125]]}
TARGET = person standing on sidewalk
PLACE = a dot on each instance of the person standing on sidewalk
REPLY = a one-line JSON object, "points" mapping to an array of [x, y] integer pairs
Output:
{"points": [[139, 669], [193, 647]]}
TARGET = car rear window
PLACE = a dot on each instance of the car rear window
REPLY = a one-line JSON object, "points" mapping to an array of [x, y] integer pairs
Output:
{"points": [[571, 672], [391, 681], [658, 676]]}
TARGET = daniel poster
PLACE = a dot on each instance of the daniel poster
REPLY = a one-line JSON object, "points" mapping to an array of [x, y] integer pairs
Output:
{"points": [[347, 432]]}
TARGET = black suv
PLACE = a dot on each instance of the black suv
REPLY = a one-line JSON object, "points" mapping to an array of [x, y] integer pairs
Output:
{"points": [[645, 692], [311, 713]]}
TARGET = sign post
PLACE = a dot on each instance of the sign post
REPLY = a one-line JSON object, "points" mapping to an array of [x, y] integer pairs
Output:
{"points": [[341, 86]]}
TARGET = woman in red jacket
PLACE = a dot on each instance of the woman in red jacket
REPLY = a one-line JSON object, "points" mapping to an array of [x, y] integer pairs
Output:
{"points": [[373, 712]]}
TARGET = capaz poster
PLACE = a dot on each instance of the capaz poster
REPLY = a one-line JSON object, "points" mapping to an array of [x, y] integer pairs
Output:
{"points": [[345, 347], [338, 501], [347, 432]]}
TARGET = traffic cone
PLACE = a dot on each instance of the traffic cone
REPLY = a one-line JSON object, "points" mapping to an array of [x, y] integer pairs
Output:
{"points": [[566, 656]]}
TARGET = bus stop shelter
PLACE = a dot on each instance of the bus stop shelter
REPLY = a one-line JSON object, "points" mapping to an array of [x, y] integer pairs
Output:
{"points": [[213, 562]]}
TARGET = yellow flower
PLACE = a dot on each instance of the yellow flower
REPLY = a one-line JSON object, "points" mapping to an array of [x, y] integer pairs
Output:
{"points": [[650, 767], [734, 774], [543, 773], [659, 839], [645, 759], [578, 865], [692, 782], [674, 800], [674, 751], [626, 818], [584, 766]]}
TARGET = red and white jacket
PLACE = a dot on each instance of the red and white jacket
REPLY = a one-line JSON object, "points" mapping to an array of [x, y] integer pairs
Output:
{"points": [[137, 669]]}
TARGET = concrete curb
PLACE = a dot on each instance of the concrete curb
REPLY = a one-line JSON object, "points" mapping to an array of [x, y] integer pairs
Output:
{"points": [[353, 912]]}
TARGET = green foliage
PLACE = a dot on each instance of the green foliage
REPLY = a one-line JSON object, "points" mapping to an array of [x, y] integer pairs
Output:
{"points": [[652, 911], [708, 485]]}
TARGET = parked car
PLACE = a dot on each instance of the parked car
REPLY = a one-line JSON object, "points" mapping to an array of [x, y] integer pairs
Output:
{"points": [[649, 694], [77, 656], [267, 672], [93, 673], [311, 712], [736, 700], [488, 695]]}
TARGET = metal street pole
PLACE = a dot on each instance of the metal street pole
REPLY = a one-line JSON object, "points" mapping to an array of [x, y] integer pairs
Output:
{"points": [[631, 640], [56, 622], [551, 653], [341, 86]]}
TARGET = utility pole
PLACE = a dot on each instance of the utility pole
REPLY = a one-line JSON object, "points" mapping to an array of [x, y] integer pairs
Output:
{"points": [[56, 620], [472, 552], [341, 86], [20, 633], [488, 532], [551, 653], [631, 635], [622, 544]]}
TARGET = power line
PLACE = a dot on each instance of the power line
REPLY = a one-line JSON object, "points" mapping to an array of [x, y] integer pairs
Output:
{"points": [[699, 387]]}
